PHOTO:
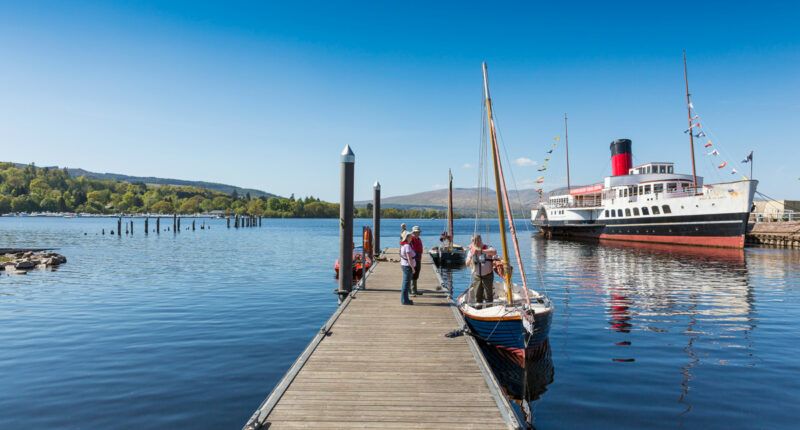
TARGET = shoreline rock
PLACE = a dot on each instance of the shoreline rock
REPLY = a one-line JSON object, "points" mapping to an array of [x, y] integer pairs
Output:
{"points": [[21, 262]]}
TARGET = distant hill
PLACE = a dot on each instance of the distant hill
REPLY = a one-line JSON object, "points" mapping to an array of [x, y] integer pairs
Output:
{"points": [[464, 200], [223, 188]]}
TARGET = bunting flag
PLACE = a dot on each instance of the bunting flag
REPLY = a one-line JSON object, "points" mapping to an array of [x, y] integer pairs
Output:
{"points": [[701, 134], [724, 163], [540, 178], [554, 145], [733, 171], [691, 105], [550, 151], [544, 165], [707, 145], [546, 160], [714, 152], [558, 138], [749, 158], [539, 182], [694, 118], [542, 170]]}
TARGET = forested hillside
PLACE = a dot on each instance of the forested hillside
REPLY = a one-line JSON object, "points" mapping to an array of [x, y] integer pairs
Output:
{"points": [[32, 189]]}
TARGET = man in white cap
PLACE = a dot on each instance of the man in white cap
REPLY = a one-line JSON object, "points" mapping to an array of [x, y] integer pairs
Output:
{"points": [[416, 245]]}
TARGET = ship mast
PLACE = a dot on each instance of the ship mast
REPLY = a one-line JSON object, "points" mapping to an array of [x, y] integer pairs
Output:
{"points": [[450, 209], [566, 140], [502, 200], [691, 134], [500, 214]]}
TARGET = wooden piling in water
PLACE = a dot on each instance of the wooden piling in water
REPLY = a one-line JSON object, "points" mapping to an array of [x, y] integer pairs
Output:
{"points": [[146, 225], [158, 225], [229, 221], [193, 224], [131, 227], [174, 223], [119, 226]]}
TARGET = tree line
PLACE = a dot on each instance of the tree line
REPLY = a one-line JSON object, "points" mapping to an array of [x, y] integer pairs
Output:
{"points": [[33, 189]]}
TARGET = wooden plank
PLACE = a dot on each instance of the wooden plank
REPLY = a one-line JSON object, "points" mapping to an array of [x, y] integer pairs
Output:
{"points": [[400, 371]]}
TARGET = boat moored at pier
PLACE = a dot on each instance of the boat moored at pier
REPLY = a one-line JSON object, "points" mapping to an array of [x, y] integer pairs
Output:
{"points": [[649, 203]]}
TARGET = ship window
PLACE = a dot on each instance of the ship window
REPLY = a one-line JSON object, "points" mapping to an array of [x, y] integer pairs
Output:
{"points": [[619, 212], [647, 189], [606, 213], [625, 193], [635, 211], [666, 209], [663, 169], [658, 188], [669, 169], [672, 187], [645, 211], [648, 169], [620, 192], [613, 213], [627, 212], [656, 211], [634, 191]]}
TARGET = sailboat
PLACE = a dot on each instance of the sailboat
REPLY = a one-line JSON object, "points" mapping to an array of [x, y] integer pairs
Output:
{"points": [[448, 254], [518, 318]]}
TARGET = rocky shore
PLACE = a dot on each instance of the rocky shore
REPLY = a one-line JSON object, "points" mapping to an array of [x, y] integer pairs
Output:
{"points": [[19, 262]]}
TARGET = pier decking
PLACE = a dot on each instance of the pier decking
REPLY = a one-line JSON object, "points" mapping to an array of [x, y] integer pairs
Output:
{"points": [[379, 364]]}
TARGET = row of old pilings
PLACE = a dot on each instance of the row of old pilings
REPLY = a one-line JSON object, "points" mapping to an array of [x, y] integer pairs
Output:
{"points": [[176, 226], [245, 221]]}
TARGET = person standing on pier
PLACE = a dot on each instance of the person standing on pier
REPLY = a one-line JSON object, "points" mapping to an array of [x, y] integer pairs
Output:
{"points": [[480, 259], [416, 245], [407, 263]]}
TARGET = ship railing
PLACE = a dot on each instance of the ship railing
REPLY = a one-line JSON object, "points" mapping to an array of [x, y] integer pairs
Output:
{"points": [[595, 204], [785, 216]]}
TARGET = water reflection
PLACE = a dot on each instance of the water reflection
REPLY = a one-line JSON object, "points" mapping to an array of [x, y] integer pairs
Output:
{"points": [[523, 382]]}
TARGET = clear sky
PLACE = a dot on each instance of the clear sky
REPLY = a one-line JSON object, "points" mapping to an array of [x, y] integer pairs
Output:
{"points": [[267, 94]]}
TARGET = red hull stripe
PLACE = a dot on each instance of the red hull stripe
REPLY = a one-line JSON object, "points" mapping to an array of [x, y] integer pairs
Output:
{"points": [[719, 241]]}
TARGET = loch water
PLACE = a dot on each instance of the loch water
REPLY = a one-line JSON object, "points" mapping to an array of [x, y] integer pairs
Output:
{"points": [[194, 329]]}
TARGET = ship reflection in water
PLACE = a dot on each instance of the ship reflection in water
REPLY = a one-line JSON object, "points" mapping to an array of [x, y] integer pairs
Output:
{"points": [[668, 334]]}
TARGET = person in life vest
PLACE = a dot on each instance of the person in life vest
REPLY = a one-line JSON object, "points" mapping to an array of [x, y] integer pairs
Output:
{"points": [[416, 245], [481, 260]]}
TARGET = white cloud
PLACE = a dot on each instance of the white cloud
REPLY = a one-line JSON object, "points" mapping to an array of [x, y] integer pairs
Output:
{"points": [[439, 187], [467, 166], [525, 162]]}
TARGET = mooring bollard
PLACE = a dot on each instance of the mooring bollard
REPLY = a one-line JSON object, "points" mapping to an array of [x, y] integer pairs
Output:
{"points": [[346, 224], [376, 219]]}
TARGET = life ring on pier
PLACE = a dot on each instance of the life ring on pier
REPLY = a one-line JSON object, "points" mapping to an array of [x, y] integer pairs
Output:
{"points": [[367, 241]]}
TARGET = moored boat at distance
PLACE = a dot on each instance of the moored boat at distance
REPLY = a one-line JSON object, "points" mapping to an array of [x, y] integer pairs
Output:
{"points": [[448, 254]]}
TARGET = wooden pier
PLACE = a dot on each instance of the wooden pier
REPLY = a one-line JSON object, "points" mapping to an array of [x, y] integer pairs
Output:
{"points": [[379, 364]]}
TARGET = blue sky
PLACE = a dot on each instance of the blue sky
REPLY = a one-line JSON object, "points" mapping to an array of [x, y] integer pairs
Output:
{"points": [[266, 94]]}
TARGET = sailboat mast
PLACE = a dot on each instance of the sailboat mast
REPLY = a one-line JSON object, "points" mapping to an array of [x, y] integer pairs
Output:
{"points": [[689, 110], [566, 139], [450, 209], [501, 215]]}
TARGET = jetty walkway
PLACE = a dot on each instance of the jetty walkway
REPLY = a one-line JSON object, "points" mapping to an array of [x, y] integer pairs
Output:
{"points": [[379, 364]]}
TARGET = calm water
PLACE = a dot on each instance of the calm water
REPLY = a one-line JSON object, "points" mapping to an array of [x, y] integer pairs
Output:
{"points": [[195, 329]]}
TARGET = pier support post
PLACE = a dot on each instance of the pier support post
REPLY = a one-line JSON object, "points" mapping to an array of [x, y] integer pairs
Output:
{"points": [[158, 225], [179, 224], [119, 226], [229, 222], [346, 224], [131, 227], [146, 225], [174, 223], [376, 219], [192, 224]]}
